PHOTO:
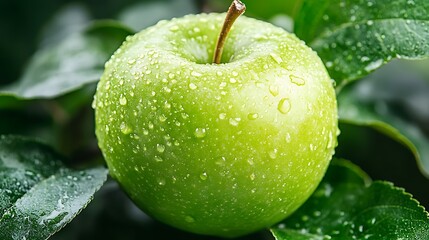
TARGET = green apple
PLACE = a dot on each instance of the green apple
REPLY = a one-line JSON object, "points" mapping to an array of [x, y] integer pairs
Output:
{"points": [[218, 149]]}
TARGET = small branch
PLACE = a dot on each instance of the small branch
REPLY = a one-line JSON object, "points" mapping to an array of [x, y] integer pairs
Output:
{"points": [[235, 10]]}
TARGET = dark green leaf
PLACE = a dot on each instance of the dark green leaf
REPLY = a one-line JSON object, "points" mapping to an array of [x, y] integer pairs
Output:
{"points": [[355, 37], [38, 194], [74, 62], [344, 207], [112, 216], [395, 102]]}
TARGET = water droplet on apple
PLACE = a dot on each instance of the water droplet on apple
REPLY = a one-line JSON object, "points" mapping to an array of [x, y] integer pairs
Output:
{"points": [[274, 90], [189, 219], [150, 125], [166, 89], [192, 86], [288, 137], [273, 153], [131, 61], [234, 73], [284, 105], [276, 58], [200, 132], [330, 141], [196, 74], [125, 129], [162, 118], [221, 161], [222, 116], [174, 28], [167, 105], [297, 80], [234, 121], [94, 103], [161, 182], [185, 115], [160, 148], [123, 100], [203, 176], [252, 176], [158, 159], [232, 80], [145, 131], [252, 116], [250, 161]]}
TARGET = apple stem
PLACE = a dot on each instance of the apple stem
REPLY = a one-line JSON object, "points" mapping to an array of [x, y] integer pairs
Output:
{"points": [[235, 10]]}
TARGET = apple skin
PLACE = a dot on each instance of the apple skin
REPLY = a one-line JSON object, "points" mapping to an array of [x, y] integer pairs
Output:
{"points": [[217, 149]]}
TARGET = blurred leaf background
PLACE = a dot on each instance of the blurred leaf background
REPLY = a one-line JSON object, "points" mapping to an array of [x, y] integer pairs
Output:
{"points": [[32, 33]]}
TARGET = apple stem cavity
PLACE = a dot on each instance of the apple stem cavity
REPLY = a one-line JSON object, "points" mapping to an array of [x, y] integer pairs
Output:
{"points": [[235, 10]]}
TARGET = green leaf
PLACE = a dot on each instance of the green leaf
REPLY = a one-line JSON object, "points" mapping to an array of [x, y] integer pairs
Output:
{"points": [[344, 207], [67, 66], [71, 18], [38, 194], [355, 37], [395, 102]]}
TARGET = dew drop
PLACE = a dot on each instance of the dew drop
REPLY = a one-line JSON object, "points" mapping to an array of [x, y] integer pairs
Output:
{"points": [[160, 148], [297, 80], [273, 154], [189, 219], [167, 105], [288, 137], [158, 159], [252, 176], [222, 116], [284, 105], [162, 118], [200, 132], [145, 131], [125, 129], [274, 90], [276, 58], [123, 100], [221, 161], [252, 116], [330, 143], [196, 74], [185, 115], [234, 121], [192, 86], [374, 65], [203, 176], [161, 182]]}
